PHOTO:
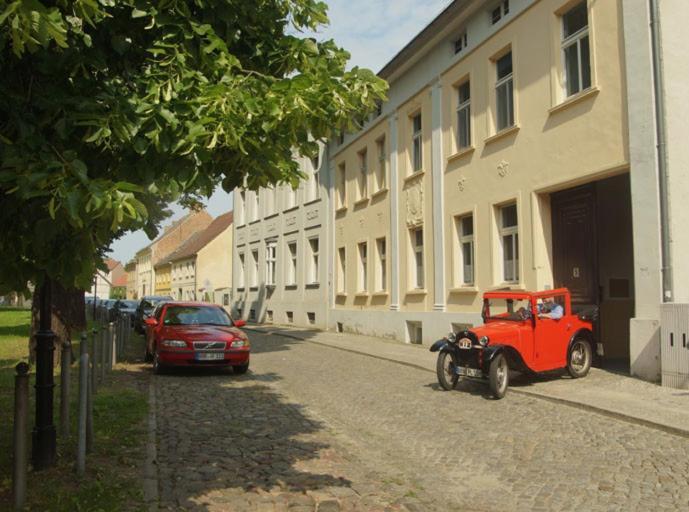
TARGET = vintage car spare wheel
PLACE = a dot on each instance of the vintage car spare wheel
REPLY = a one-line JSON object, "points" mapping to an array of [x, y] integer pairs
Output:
{"points": [[445, 368], [499, 376], [579, 359]]}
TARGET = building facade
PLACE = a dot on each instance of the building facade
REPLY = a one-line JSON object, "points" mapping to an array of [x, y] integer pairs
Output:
{"points": [[280, 251], [503, 160], [132, 276]]}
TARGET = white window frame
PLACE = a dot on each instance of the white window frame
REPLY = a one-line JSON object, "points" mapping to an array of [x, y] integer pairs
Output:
{"points": [[460, 44], [510, 268], [381, 168], [362, 177], [462, 277], [342, 185], [507, 83], [417, 259], [254, 268], [362, 277], [462, 108], [381, 274], [271, 262], [502, 9], [292, 263], [416, 143], [314, 260], [569, 41]]}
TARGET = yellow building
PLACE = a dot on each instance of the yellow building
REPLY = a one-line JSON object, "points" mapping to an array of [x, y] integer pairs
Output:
{"points": [[500, 161], [163, 278]]}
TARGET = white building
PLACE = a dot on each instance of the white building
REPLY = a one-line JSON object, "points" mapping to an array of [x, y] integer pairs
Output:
{"points": [[280, 254]]}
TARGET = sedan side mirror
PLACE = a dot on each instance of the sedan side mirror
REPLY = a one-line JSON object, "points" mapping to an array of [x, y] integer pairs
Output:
{"points": [[239, 323], [151, 321]]}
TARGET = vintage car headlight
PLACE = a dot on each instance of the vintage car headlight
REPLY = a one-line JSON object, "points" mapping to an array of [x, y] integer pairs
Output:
{"points": [[483, 341], [174, 343], [238, 343], [452, 337]]}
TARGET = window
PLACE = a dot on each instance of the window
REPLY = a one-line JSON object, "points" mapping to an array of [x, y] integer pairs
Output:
{"points": [[271, 259], [464, 115], [341, 185], [254, 210], [465, 265], [269, 315], [291, 197], [241, 272], [575, 49], [242, 207], [460, 43], [315, 161], [362, 177], [362, 285], [500, 11], [504, 106], [341, 269], [311, 317], [315, 178], [292, 264], [340, 137], [314, 261], [254, 268], [414, 332], [381, 275], [290, 316], [225, 299], [417, 257], [380, 167], [270, 201], [509, 239], [417, 147]]}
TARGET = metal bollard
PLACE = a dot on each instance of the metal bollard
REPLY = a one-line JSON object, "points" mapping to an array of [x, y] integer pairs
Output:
{"points": [[65, 371], [21, 420], [94, 360], [112, 349], [83, 398]]}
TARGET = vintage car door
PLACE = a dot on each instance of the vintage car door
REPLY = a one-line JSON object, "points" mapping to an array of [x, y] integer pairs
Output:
{"points": [[551, 338]]}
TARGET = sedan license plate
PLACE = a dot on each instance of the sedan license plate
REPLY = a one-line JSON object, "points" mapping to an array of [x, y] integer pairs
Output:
{"points": [[209, 356], [469, 372]]}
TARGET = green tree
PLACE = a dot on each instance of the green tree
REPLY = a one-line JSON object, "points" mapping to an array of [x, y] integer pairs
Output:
{"points": [[110, 109]]}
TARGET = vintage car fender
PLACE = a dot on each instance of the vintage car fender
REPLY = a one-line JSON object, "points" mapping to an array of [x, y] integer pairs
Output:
{"points": [[443, 345], [588, 335], [514, 358]]}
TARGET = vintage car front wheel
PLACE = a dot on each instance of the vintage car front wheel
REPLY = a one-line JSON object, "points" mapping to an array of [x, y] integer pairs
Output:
{"points": [[445, 368], [499, 376], [579, 360]]}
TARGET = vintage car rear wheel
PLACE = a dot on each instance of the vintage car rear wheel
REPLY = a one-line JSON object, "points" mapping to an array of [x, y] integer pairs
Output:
{"points": [[499, 376], [447, 378], [579, 359]]}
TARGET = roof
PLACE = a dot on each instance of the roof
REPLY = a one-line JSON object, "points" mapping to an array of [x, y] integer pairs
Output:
{"points": [[111, 263], [169, 229], [199, 240]]}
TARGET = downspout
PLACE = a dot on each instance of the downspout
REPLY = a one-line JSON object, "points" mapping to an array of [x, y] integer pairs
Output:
{"points": [[661, 148]]}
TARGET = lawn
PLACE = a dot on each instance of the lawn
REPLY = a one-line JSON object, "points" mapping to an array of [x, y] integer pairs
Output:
{"points": [[112, 480]]}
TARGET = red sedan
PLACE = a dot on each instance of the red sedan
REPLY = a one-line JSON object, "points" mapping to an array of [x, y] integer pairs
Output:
{"points": [[195, 334]]}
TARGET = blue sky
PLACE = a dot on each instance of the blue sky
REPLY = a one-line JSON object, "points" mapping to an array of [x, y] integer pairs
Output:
{"points": [[373, 31]]}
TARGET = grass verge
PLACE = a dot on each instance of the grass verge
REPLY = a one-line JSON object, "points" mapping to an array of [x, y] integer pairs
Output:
{"points": [[112, 481]]}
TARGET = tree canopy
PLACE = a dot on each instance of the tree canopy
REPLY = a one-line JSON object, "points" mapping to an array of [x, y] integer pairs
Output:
{"points": [[110, 109]]}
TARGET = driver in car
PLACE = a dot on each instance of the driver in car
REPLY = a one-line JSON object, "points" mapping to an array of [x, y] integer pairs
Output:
{"points": [[550, 309]]}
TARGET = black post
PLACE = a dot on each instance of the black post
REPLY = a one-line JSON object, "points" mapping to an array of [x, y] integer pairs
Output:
{"points": [[95, 294], [43, 455]]}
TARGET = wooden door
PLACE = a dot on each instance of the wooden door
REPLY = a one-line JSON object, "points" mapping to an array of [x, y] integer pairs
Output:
{"points": [[575, 244]]}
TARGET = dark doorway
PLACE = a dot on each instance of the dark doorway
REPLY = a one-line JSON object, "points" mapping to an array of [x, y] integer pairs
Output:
{"points": [[593, 257]]}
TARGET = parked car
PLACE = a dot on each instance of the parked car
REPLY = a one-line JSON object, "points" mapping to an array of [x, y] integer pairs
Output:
{"points": [[124, 308], [195, 334], [523, 331], [144, 310]]}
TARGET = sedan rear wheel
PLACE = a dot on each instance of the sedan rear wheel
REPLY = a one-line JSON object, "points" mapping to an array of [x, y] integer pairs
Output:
{"points": [[499, 376], [445, 369], [579, 360]]}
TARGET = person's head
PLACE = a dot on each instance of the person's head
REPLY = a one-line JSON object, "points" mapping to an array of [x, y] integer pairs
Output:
{"points": [[548, 300]]}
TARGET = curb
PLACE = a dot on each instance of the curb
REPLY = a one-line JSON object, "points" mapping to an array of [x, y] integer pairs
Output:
{"points": [[561, 401], [150, 481]]}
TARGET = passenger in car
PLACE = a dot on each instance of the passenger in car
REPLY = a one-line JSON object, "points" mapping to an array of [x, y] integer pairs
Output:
{"points": [[550, 309]]}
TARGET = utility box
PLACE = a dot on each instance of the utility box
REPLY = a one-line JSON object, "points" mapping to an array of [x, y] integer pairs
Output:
{"points": [[674, 345]]}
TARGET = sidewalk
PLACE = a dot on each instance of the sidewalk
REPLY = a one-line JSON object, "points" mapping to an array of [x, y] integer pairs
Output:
{"points": [[607, 393]]}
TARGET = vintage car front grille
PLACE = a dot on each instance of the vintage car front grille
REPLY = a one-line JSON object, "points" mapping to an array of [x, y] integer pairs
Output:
{"points": [[209, 345], [469, 358]]}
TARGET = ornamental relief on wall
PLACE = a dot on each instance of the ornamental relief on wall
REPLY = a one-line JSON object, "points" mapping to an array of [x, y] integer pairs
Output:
{"points": [[414, 204]]}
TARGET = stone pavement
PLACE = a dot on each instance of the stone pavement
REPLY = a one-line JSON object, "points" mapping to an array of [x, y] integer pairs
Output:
{"points": [[601, 391]]}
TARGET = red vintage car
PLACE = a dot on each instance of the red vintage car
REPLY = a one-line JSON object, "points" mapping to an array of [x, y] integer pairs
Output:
{"points": [[195, 334], [523, 331]]}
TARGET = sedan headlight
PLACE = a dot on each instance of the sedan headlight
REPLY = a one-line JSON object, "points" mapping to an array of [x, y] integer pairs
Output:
{"points": [[452, 337], [483, 341], [238, 343], [174, 343]]}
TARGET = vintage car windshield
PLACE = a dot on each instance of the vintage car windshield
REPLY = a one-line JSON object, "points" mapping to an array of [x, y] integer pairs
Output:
{"points": [[196, 315], [515, 310]]}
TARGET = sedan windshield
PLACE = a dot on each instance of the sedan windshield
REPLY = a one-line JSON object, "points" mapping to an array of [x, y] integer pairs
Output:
{"points": [[196, 315], [516, 310]]}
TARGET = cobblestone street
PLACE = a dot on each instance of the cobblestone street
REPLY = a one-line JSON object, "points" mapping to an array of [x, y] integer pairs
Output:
{"points": [[315, 428]]}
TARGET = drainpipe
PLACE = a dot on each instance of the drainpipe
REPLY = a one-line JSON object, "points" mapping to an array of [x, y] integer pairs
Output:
{"points": [[658, 89]]}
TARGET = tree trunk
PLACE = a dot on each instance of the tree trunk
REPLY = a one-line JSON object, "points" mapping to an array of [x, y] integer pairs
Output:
{"points": [[68, 317]]}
